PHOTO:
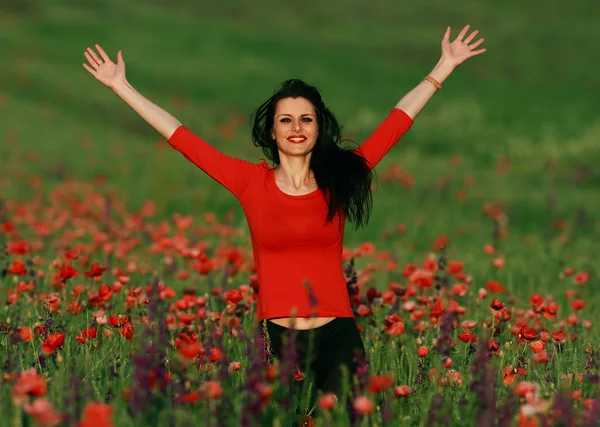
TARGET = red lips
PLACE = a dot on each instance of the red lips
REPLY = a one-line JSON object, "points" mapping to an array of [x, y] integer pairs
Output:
{"points": [[300, 139]]}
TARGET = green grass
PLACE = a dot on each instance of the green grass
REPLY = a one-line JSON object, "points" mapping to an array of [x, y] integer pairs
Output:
{"points": [[531, 98]]}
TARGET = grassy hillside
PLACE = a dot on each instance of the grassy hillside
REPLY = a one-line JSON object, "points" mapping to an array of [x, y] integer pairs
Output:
{"points": [[529, 102]]}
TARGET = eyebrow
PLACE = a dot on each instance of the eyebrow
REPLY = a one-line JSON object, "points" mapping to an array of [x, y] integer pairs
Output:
{"points": [[302, 115]]}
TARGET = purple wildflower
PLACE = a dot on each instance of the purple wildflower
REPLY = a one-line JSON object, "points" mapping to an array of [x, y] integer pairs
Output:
{"points": [[74, 399], [563, 408], [592, 415], [420, 376], [437, 402], [446, 329], [148, 360], [484, 385], [508, 410], [592, 366], [351, 279], [253, 403], [441, 278]]}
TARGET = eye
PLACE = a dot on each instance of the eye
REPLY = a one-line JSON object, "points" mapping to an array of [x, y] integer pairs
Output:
{"points": [[284, 120], [307, 119]]}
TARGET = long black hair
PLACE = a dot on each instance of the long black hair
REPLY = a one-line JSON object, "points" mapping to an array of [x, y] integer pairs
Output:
{"points": [[343, 176]]}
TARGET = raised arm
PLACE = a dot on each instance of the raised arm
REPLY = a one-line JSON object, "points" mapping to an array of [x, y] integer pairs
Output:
{"points": [[401, 118], [453, 54], [113, 76], [233, 173]]}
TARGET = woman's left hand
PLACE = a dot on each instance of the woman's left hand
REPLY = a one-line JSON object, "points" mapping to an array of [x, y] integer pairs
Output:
{"points": [[460, 50]]}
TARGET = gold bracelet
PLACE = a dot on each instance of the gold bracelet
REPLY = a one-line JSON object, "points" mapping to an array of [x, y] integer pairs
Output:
{"points": [[433, 82]]}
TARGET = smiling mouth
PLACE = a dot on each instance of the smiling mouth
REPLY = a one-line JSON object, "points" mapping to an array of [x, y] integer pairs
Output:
{"points": [[297, 140]]}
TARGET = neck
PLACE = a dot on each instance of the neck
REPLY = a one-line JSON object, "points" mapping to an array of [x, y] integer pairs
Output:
{"points": [[295, 170]]}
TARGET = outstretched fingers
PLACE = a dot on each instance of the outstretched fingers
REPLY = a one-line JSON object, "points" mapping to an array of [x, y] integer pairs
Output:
{"points": [[96, 58], [463, 32], [471, 36], [91, 71], [477, 43], [102, 53], [91, 60]]}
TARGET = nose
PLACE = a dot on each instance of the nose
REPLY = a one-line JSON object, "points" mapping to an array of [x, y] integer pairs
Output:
{"points": [[296, 125]]}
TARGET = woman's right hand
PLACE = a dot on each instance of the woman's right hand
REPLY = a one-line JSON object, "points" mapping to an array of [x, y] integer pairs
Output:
{"points": [[103, 69]]}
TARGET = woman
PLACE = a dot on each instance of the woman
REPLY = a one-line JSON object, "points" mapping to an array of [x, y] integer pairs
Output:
{"points": [[296, 210]]}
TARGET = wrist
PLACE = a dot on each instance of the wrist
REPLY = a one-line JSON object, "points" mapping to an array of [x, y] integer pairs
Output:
{"points": [[442, 70], [120, 85]]}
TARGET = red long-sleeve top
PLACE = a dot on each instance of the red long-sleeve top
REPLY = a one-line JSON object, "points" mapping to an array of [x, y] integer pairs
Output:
{"points": [[291, 243]]}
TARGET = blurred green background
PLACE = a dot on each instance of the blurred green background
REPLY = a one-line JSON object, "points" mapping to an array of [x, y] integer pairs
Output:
{"points": [[530, 103]]}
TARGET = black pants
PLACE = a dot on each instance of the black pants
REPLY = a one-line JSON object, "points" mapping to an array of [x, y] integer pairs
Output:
{"points": [[335, 344]]}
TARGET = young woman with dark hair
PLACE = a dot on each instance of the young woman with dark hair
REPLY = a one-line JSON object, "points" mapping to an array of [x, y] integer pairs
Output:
{"points": [[296, 210]]}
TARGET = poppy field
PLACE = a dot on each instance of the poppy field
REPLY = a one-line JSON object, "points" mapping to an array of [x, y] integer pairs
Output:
{"points": [[113, 317], [127, 282]]}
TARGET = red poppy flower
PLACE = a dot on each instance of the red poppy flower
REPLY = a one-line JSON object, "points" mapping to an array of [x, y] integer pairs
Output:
{"points": [[377, 383], [363, 310], [467, 336], [105, 292], [307, 421], [191, 350], [510, 374], [495, 287], [363, 405], [18, 248], [537, 346], [496, 304], [233, 296], [581, 278], [97, 415], [26, 333], [528, 333], [211, 389], [29, 383], [216, 354], [396, 328], [437, 310], [327, 400], [67, 271], [71, 254], [393, 324], [186, 318], [118, 321], [447, 362], [536, 299], [95, 270], [52, 343], [455, 267], [493, 345], [440, 243], [18, 267], [234, 366], [87, 333], [540, 357], [127, 331], [402, 391], [270, 373]]}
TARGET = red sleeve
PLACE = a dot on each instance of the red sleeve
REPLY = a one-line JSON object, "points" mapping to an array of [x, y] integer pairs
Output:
{"points": [[387, 134], [234, 174]]}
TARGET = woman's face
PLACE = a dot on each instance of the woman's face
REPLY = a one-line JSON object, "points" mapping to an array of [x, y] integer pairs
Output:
{"points": [[295, 127]]}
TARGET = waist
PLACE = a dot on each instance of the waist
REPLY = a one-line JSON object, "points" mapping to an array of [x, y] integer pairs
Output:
{"points": [[301, 323]]}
